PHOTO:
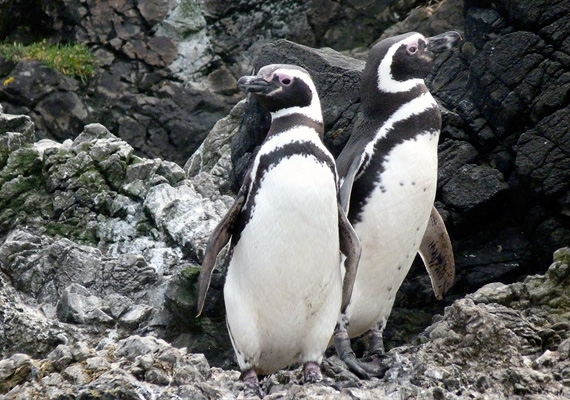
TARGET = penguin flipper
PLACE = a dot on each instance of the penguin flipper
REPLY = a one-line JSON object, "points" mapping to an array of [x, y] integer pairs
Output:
{"points": [[346, 187], [349, 246], [219, 238], [437, 254]]}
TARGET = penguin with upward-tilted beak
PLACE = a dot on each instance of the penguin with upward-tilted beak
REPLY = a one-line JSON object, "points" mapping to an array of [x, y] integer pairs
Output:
{"points": [[388, 172], [284, 287]]}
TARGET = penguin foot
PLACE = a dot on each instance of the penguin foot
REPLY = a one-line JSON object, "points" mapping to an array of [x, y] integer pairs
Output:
{"points": [[374, 343], [251, 385], [374, 365], [312, 372], [346, 354], [365, 368]]}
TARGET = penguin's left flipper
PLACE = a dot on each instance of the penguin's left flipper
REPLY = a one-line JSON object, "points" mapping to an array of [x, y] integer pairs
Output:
{"points": [[437, 254], [351, 248], [219, 238], [346, 187]]}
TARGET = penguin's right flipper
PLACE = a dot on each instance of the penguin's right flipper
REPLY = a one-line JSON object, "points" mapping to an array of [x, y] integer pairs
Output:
{"points": [[219, 238], [346, 187], [349, 246], [437, 254]]}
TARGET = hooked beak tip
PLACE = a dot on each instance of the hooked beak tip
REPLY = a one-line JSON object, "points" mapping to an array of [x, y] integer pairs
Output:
{"points": [[254, 84], [444, 41]]}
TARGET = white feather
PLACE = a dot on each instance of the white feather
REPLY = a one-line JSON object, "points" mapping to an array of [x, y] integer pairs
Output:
{"points": [[283, 287], [413, 107], [392, 227]]}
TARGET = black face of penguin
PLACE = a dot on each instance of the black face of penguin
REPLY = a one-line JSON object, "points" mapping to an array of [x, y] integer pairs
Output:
{"points": [[279, 87], [412, 59], [396, 67]]}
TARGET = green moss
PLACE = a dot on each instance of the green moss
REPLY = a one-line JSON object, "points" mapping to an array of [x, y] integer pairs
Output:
{"points": [[12, 190], [189, 9], [22, 162], [93, 180], [73, 60]]}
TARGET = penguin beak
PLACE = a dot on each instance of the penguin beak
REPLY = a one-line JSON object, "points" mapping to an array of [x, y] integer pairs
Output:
{"points": [[255, 84], [443, 41]]}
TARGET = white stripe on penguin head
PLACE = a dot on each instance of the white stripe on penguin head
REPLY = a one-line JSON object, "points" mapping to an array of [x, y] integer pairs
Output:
{"points": [[386, 81]]}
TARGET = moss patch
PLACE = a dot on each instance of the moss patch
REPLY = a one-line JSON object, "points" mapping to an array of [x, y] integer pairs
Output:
{"points": [[74, 60]]}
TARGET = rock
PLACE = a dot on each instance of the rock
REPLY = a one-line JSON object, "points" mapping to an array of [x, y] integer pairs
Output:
{"points": [[128, 212], [61, 357], [472, 186], [77, 305], [14, 371], [210, 167], [432, 20], [541, 160]]}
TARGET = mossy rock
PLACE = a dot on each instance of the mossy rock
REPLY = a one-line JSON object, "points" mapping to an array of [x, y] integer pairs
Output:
{"points": [[21, 162]]}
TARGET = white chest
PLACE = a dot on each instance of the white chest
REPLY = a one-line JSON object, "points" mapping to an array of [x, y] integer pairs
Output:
{"points": [[284, 284], [391, 229]]}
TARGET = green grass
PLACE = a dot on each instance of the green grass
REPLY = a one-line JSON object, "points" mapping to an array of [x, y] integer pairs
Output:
{"points": [[73, 60]]}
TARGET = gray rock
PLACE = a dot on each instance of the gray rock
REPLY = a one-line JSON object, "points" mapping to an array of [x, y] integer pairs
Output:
{"points": [[183, 214], [14, 370], [210, 167], [478, 348], [472, 186], [61, 357], [80, 351], [135, 316], [78, 305]]}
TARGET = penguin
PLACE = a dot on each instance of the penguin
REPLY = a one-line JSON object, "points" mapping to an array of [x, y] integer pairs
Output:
{"points": [[285, 286], [388, 172]]}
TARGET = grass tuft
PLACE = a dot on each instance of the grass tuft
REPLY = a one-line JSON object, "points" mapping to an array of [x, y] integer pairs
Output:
{"points": [[73, 60]]}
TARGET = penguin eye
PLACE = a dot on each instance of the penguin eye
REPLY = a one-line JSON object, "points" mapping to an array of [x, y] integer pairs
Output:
{"points": [[285, 80], [412, 49]]}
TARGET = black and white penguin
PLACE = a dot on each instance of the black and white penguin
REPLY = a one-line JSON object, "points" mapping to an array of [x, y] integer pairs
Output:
{"points": [[284, 287], [388, 173]]}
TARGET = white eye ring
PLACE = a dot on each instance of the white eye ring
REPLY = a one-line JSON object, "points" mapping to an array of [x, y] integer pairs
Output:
{"points": [[413, 49], [285, 80]]}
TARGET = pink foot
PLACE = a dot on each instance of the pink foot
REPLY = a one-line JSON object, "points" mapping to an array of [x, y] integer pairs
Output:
{"points": [[312, 372]]}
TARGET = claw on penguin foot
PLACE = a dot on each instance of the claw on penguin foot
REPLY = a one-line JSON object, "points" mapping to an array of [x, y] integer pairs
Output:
{"points": [[312, 372], [374, 365]]}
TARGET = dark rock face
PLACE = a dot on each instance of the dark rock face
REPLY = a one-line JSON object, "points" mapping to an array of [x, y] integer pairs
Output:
{"points": [[132, 92]]}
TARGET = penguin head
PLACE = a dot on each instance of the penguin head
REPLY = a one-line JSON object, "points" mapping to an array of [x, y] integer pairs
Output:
{"points": [[400, 63], [284, 89]]}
